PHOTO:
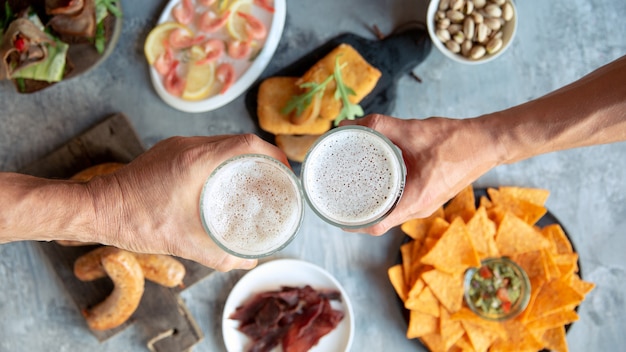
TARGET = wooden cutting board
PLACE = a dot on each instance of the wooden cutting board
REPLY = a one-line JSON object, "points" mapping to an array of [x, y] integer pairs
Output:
{"points": [[162, 318]]}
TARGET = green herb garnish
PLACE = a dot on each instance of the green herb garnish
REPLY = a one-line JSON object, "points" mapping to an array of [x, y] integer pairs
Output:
{"points": [[21, 85], [103, 8], [112, 6], [99, 40], [302, 101], [348, 110], [315, 90], [8, 17]]}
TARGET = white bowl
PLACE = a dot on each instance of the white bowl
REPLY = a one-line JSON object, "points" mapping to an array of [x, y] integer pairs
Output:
{"points": [[508, 33], [251, 72]]}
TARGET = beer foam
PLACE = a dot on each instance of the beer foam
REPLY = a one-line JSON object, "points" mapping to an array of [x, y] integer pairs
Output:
{"points": [[353, 177], [252, 205]]}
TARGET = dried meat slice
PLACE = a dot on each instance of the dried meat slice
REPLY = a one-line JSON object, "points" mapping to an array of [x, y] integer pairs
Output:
{"points": [[80, 24]]}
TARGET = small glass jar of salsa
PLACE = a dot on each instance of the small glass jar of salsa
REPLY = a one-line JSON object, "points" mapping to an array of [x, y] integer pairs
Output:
{"points": [[498, 290]]}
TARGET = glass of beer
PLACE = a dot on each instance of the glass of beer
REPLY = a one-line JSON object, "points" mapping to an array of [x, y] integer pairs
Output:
{"points": [[251, 205], [353, 177]]}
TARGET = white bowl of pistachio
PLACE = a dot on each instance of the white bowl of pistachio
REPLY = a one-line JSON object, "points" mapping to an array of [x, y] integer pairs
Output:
{"points": [[472, 31]]}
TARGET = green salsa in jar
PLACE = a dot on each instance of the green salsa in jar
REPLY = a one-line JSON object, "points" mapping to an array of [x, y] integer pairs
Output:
{"points": [[498, 290]]}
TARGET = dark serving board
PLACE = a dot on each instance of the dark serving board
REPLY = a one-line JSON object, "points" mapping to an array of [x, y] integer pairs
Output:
{"points": [[395, 55], [162, 318]]}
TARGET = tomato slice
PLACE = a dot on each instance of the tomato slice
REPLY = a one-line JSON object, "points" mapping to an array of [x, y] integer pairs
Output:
{"points": [[485, 273], [506, 306]]}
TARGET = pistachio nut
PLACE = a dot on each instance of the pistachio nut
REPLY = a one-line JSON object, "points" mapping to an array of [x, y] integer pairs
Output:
{"points": [[443, 35], [479, 4], [493, 23], [493, 10], [477, 52], [494, 45], [456, 5], [507, 11], [453, 46], [455, 16]]}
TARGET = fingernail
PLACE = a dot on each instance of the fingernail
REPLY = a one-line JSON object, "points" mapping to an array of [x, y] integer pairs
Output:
{"points": [[249, 263]]}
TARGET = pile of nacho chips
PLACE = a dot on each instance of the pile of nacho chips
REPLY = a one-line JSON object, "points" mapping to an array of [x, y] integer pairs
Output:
{"points": [[458, 236]]}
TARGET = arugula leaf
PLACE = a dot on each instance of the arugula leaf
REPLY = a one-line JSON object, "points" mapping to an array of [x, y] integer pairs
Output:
{"points": [[111, 6], [349, 110], [100, 38], [302, 101], [8, 17]]}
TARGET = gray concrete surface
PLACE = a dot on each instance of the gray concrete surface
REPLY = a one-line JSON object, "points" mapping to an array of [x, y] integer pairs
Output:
{"points": [[558, 41]]}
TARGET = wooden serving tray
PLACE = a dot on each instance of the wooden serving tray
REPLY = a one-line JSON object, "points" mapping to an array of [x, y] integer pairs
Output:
{"points": [[163, 320]]}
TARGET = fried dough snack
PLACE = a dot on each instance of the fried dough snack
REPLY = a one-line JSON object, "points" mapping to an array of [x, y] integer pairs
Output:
{"points": [[274, 93], [295, 146], [127, 276], [357, 74], [161, 269], [295, 133]]}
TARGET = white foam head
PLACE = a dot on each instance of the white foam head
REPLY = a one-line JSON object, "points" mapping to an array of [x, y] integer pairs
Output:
{"points": [[251, 205], [353, 176]]}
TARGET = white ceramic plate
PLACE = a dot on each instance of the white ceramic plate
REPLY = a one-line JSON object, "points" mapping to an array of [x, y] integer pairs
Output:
{"points": [[288, 272], [246, 73]]}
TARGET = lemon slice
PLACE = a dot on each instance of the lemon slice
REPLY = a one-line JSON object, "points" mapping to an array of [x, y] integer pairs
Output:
{"points": [[236, 25], [200, 80], [153, 47]]}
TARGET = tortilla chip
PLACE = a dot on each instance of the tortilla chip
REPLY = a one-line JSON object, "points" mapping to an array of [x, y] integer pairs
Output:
{"points": [[396, 276], [463, 344], [417, 229], [450, 330], [554, 296], [482, 232], [554, 339], [516, 236], [485, 202], [421, 324], [560, 240], [454, 252], [462, 205], [416, 288], [534, 266], [553, 269], [406, 250], [479, 336], [424, 302], [518, 338], [533, 195], [448, 288], [554, 320], [566, 263], [434, 342], [467, 316], [525, 210], [437, 228], [582, 287]]}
